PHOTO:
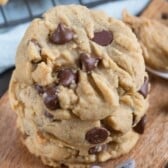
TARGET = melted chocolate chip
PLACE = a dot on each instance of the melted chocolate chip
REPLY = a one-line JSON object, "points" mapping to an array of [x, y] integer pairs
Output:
{"points": [[48, 115], [88, 63], [61, 35], [64, 166], [39, 88], [140, 127], [96, 135], [144, 88], [50, 98], [103, 38], [164, 16], [96, 149], [67, 77]]}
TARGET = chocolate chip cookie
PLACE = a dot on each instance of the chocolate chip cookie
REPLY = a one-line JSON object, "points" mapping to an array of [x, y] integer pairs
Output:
{"points": [[79, 88], [153, 37]]}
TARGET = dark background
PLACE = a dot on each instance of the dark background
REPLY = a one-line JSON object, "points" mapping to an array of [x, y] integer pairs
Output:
{"points": [[4, 81]]}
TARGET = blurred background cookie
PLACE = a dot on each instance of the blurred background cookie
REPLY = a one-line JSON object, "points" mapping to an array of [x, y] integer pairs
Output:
{"points": [[153, 37]]}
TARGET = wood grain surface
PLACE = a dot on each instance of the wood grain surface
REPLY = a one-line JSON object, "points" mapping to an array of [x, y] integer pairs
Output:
{"points": [[151, 150]]}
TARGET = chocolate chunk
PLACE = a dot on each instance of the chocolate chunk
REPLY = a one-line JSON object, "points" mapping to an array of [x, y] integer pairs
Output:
{"points": [[50, 98], [103, 38], [64, 166], [61, 35], [96, 149], [88, 63], [164, 16], [39, 88], [48, 115], [127, 164], [96, 135], [67, 77], [144, 88], [140, 127]]}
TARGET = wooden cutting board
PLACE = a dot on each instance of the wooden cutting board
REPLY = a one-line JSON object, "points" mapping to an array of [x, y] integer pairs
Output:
{"points": [[151, 150]]}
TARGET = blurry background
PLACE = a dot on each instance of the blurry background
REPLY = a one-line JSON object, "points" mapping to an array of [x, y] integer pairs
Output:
{"points": [[15, 15], [20, 11]]}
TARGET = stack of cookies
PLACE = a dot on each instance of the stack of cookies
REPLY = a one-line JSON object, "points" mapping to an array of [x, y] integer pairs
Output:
{"points": [[79, 87]]}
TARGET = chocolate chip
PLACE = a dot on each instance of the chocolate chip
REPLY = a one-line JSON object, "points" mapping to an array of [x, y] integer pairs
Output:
{"points": [[48, 115], [103, 38], [88, 63], [64, 166], [50, 98], [61, 35], [140, 127], [144, 88], [96, 149], [164, 16], [67, 77], [39, 88], [96, 135]]}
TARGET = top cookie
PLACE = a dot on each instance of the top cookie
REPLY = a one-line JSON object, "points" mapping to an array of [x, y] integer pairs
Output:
{"points": [[74, 41]]}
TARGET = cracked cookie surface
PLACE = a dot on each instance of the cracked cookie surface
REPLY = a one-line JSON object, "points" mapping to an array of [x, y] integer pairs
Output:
{"points": [[79, 87]]}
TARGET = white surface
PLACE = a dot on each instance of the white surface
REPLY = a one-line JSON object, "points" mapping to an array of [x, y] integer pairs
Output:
{"points": [[161, 74], [10, 40], [115, 8], [127, 164], [8, 46]]}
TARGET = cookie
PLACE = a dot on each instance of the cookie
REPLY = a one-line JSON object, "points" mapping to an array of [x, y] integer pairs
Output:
{"points": [[80, 88], [153, 37]]}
